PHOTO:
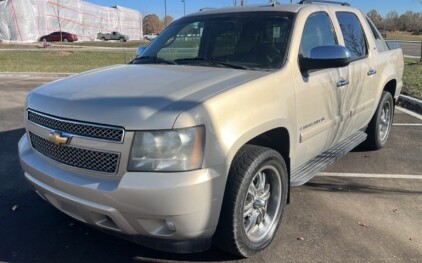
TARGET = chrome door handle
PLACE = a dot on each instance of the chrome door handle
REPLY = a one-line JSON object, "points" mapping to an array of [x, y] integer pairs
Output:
{"points": [[372, 72], [342, 83]]}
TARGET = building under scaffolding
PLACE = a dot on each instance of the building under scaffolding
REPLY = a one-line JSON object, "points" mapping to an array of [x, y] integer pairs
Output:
{"points": [[28, 20]]}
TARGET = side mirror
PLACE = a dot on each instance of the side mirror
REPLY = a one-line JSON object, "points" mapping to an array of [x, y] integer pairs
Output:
{"points": [[323, 57]]}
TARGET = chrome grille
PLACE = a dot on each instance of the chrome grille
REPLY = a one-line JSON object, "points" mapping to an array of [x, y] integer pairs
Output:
{"points": [[77, 157], [76, 128]]}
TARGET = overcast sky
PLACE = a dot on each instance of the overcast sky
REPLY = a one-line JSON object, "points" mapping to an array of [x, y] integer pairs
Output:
{"points": [[175, 7]]}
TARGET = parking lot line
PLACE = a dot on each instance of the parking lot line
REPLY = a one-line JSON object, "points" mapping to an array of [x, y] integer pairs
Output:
{"points": [[17, 80], [411, 113], [361, 175]]}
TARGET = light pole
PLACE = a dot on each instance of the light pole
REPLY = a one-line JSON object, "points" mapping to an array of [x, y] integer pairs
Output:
{"points": [[184, 7], [165, 13]]}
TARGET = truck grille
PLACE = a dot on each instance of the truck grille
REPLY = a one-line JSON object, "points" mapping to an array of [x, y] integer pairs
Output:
{"points": [[76, 157], [83, 129]]}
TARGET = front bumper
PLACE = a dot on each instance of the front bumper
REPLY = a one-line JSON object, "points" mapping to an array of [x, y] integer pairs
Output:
{"points": [[175, 212]]}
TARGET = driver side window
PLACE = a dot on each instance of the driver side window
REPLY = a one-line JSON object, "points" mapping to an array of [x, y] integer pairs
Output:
{"points": [[318, 31]]}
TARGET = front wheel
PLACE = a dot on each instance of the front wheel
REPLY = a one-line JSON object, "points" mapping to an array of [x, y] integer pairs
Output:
{"points": [[380, 126], [254, 200]]}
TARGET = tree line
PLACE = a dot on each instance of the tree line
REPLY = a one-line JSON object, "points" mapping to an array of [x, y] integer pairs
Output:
{"points": [[153, 24], [409, 21]]}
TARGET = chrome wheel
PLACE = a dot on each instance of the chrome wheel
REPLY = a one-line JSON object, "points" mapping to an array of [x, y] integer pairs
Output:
{"points": [[385, 121], [262, 203]]}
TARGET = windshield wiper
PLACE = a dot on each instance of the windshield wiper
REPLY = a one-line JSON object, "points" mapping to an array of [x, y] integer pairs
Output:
{"points": [[211, 61], [154, 59]]}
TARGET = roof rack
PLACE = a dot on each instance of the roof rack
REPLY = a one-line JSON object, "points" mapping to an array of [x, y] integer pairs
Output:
{"points": [[323, 2]]}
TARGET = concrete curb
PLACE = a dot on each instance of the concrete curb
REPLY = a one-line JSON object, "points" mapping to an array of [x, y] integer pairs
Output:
{"points": [[35, 74], [411, 100]]}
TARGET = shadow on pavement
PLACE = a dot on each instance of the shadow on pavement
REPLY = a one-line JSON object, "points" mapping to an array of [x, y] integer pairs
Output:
{"points": [[332, 184], [34, 231]]}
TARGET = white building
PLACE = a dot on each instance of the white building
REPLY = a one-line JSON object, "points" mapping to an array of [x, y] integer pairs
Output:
{"points": [[28, 20]]}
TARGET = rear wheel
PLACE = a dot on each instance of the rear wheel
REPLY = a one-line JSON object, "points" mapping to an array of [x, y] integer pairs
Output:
{"points": [[103, 39], [65, 40], [254, 200], [380, 126]]}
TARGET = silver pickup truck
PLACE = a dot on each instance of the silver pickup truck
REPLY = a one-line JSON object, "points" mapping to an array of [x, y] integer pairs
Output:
{"points": [[200, 138], [112, 36]]}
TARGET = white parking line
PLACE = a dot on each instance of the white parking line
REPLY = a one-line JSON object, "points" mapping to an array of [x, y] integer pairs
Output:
{"points": [[389, 176], [407, 124], [411, 113]]}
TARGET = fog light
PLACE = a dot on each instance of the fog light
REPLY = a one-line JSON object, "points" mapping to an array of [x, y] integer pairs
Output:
{"points": [[170, 225]]}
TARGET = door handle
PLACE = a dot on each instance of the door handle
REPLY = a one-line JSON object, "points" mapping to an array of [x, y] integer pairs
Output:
{"points": [[372, 72], [342, 83]]}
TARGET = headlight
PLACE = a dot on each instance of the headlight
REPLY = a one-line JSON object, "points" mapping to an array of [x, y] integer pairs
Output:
{"points": [[170, 150]]}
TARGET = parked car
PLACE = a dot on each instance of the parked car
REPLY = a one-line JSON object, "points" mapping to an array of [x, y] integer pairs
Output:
{"points": [[55, 36], [151, 36], [200, 140], [113, 36]]}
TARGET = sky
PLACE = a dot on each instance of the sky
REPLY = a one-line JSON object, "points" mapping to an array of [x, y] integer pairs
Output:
{"points": [[175, 7]]}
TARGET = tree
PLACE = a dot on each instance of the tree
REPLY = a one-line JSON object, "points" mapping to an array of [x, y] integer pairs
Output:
{"points": [[376, 18], [392, 21], [168, 20], [151, 24], [57, 7]]}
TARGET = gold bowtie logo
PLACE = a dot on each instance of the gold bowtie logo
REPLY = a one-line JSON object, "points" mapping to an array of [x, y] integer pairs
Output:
{"points": [[58, 138]]}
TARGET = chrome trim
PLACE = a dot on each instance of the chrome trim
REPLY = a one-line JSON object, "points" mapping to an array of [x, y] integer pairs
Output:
{"points": [[77, 123]]}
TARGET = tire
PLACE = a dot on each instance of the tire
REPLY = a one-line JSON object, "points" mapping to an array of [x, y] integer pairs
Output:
{"points": [[122, 39], [380, 125], [254, 201], [43, 40], [103, 39], [65, 40]]}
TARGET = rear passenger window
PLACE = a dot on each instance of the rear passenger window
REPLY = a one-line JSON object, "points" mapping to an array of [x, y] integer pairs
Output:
{"points": [[353, 34], [318, 31]]}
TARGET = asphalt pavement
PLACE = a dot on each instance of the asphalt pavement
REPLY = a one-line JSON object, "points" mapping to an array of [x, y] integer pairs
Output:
{"points": [[365, 208]]}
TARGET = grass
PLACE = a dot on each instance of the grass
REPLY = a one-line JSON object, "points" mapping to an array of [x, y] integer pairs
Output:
{"points": [[412, 78], [55, 45], [404, 36], [129, 44], [78, 61], [59, 61]]}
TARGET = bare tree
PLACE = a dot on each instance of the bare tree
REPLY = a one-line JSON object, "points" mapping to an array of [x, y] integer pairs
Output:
{"points": [[151, 24], [57, 8], [392, 21], [376, 18]]}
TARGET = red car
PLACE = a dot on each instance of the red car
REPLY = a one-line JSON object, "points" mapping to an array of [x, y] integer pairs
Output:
{"points": [[55, 36]]}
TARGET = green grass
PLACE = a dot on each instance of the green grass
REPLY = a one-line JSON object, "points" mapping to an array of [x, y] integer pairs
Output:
{"points": [[412, 79], [129, 44], [59, 61], [404, 36], [78, 61]]}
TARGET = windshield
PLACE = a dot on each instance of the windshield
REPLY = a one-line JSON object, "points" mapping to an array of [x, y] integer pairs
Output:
{"points": [[242, 40]]}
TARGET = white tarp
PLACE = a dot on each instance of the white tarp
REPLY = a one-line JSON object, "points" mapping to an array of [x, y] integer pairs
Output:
{"points": [[28, 20]]}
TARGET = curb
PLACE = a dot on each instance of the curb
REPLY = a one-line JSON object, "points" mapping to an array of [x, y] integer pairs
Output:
{"points": [[411, 100], [35, 74], [410, 103]]}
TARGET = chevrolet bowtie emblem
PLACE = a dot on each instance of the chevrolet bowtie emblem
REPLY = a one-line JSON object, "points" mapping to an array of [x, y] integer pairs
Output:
{"points": [[58, 138]]}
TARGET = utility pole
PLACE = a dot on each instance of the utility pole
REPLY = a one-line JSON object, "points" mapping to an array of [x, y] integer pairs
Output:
{"points": [[165, 13], [184, 7]]}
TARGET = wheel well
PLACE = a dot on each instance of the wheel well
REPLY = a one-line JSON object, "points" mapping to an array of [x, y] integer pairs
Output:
{"points": [[391, 87], [277, 139]]}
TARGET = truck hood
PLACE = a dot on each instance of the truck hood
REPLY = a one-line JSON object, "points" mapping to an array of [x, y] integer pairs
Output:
{"points": [[136, 97]]}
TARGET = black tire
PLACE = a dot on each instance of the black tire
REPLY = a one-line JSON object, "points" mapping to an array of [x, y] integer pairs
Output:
{"points": [[122, 39], [380, 125], [232, 234], [103, 39], [65, 40]]}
